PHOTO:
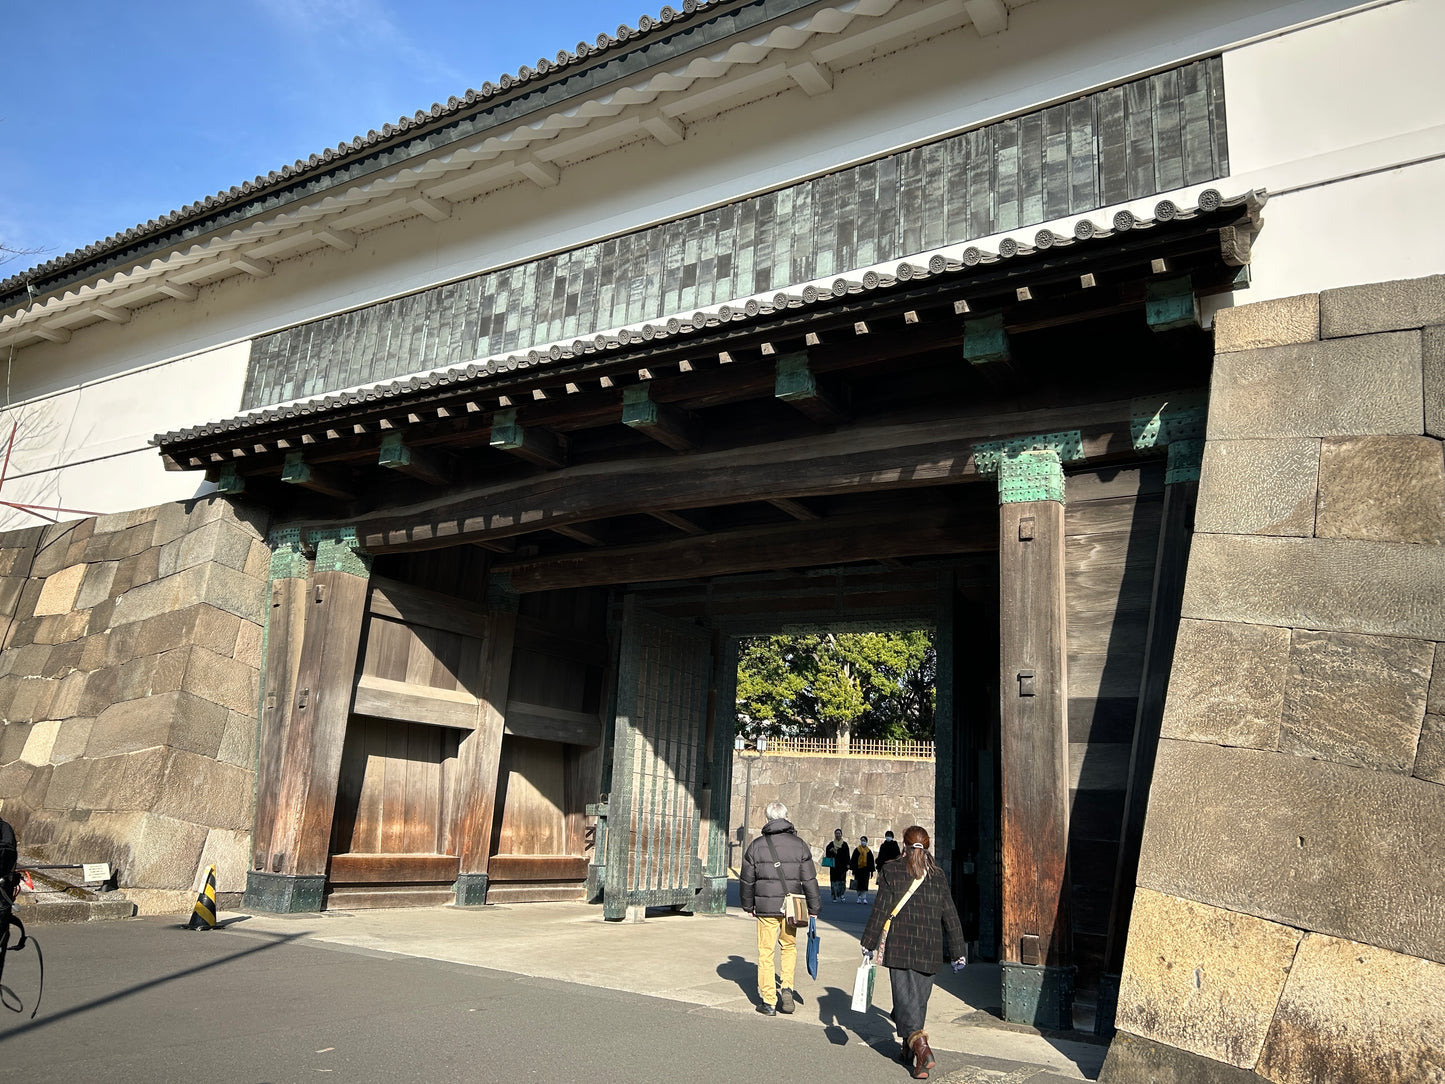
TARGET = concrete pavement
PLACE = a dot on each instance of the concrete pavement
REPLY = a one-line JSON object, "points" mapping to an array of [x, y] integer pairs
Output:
{"points": [[702, 960]]}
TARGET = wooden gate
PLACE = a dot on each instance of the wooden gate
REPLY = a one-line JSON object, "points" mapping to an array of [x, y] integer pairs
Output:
{"points": [[654, 812]]}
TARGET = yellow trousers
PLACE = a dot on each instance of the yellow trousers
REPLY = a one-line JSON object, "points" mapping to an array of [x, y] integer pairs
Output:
{"points": [[774, 932]]}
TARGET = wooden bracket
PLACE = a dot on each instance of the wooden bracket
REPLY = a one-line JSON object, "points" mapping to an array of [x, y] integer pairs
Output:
{"points": [[534, 445], [985, 342], [1170, 303], [318, 479], [663, 422], [417, 463], [797, 386]]}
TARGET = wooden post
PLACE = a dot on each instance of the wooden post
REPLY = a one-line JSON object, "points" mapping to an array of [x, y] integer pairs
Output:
{"points": [[945, 781], [319, 703], [1037, 976], [480, 753], [1176, 529], [714, 896], [285, 628]]}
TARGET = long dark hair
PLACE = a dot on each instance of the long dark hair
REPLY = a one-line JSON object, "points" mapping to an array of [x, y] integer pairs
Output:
{"points": [[915, 846]]}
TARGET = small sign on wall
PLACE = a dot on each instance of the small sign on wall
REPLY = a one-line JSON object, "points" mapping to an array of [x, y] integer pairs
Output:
{"points": [[95, 872]]}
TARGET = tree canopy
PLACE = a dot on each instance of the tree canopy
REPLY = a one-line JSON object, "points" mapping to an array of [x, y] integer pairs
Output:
{"points": [[864, 684]]}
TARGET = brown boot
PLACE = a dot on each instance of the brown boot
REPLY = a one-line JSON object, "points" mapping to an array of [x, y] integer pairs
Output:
{"points": [[922, 1055]]}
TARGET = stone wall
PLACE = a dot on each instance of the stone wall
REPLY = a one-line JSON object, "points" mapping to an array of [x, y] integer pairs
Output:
{"points": [[1289, 920], [129, 679], [862, 795]]}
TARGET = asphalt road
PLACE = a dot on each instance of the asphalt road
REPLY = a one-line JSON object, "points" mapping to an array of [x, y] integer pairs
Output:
{"points": [[146, 1001]]}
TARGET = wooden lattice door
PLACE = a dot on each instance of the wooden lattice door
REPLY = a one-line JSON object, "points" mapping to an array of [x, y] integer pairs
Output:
{"points": [[654, 811]]}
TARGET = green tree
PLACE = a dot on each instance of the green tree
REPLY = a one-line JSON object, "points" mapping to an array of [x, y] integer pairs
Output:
{"points": [[862, 684]]}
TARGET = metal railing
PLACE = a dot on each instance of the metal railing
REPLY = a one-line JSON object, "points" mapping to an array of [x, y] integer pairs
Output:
{"points": [[855, 747]]}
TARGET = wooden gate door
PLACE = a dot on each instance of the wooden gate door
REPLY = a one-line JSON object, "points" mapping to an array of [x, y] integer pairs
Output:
{"points": [[392, 837], [654, 812]]}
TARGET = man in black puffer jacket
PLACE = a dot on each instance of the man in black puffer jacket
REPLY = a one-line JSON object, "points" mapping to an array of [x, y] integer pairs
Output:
{"points": [[775, 864]]}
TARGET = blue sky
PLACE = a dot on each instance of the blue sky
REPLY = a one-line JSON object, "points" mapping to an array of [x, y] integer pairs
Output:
{"points": [[115, 112]]}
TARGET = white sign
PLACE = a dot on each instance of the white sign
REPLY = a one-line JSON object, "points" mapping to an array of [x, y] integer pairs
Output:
{"points": [[96, 871]]}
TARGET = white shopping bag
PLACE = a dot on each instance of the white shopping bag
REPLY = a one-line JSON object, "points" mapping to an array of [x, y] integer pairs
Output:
{"points": [[863, 988]]}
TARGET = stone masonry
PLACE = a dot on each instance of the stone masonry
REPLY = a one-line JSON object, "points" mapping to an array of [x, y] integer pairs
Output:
{"points": [[861, 795], [1289, 920], [129, 679]]}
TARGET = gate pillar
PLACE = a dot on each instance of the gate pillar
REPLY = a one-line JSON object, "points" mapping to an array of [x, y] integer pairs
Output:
{"points": [[1036, 957], [313, 631]]}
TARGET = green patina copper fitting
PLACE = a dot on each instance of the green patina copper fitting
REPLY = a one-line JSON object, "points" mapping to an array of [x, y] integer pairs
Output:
{"points": [[795, 379], [1033, 475], [506, 433], [985, 340], [1156, 422], [638, 409], [229, 482], [1184, 459], [293, 470], [339, 551], [501, 596], [394, 452], [1068, 445], [288, 559], [1169, 303]]}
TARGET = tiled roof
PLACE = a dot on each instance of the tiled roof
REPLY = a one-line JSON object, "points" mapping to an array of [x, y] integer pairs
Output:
{"points": [[949, 261], [506, 84]]}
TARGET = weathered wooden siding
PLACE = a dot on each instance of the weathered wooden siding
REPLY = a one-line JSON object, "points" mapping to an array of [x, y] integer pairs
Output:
{"points": [[1128, 142], [1112, 530]]}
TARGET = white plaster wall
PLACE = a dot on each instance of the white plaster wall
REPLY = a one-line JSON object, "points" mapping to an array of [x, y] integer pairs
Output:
{"points": [[86, 449], [1052, 49], [1343, 122]]}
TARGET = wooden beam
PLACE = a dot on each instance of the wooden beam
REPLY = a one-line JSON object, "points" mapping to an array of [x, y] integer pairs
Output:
{"points": [[295, 471], [579, 535], [438, 210], [682, 523], [178, 290], [479, 757], [814, 78], [411, 703], [663, 423], [51, 334], [542, 174], [285, 630], [756, 549], [797, 386], [255, 268], [857, 460], [420, 606], [391, 868], [532, 444], [538, 867], [988, 16], [419, 463], [796, 509], [553, 724], [1033, 743], [669, 131]]}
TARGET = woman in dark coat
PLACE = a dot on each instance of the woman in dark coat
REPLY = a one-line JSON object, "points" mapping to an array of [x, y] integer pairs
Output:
{"points": [[923, 936]]}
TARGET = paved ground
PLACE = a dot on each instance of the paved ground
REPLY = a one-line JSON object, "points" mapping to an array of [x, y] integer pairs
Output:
{"points": [[504, 993]]}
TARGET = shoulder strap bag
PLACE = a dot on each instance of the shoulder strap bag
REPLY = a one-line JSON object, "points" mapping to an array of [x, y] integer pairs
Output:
{"points": [[883, 938], [795, 905]]}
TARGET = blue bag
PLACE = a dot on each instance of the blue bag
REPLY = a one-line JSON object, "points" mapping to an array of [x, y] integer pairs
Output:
{"points": [[812, 948]]}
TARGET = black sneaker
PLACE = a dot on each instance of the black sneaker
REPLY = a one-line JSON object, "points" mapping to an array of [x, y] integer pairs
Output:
{"points": [[785, 1001], [768, 1010]]}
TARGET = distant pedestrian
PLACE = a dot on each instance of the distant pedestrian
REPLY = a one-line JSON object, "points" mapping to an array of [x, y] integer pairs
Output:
{"points": [[888, 849], [915, 904], [863, 866], [838, 872], [776, 864]]}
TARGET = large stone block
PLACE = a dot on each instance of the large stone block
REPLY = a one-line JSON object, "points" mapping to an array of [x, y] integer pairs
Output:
{"points": [[1135, 1060], [68, 694], [1331, 585], [230, 852], [1346, 387], [1203, 979], [249, 639], [139, 569], [1258, 487], [1430, 755], [71, 740], [151, 851], [1353, 502], [127, 782], [32, 698], [1382, 306], [1433, 346], [1355, 699], [40, 742], [1326, 847], [170, 523], [69, 785], [1278, 322], [220, 541], [238, 742], [205, 791], [62, 628], [197, 724], [1356, 1014], [57, 596], [101, 691], [1227, 683], [64, 659], [222, 680], [177, 718], [1435, 702], [13, 738]]}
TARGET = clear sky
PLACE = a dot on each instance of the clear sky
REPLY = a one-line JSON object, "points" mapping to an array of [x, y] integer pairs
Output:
{"points": [[113, 112]]}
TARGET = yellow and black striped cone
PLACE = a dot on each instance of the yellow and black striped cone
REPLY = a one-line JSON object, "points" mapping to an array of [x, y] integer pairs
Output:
{"points": [[203, 915]]}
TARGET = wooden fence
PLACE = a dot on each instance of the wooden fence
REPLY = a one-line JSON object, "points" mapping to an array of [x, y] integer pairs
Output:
{"points": [[856, 747]]}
